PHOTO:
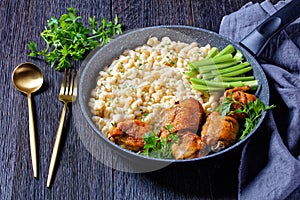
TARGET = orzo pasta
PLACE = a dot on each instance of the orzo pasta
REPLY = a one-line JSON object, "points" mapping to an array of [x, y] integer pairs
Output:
{"points": [[141, 83]]}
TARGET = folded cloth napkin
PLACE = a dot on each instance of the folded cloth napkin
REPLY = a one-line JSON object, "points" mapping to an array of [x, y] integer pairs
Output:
{"points": [[270, 162]]}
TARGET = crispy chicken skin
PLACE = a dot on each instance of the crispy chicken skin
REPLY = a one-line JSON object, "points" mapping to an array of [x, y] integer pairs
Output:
{"points": [[186, 118], [129, 134], [185, 115], [219, 132], [239, 94], [189, 146]]}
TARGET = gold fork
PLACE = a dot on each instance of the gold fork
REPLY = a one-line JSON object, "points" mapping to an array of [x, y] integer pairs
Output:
{"points": [[67, 94]]}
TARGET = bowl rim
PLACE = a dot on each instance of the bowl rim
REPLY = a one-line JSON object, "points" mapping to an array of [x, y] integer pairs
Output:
{"points": [[85, 109]]}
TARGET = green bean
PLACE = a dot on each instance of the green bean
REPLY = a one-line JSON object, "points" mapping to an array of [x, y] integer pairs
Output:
{"points": [[230, 69], [229, 49], [212, 53], [238, 72], [208, 68], [213, 61], [191, 72], [235, 78], [205, 85]]}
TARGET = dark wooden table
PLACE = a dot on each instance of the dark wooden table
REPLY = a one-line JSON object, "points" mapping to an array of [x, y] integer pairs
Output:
{"points": [[79, 175]]}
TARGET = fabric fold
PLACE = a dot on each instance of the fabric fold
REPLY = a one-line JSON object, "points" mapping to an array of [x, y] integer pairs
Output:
{"points": [[270, 162]]}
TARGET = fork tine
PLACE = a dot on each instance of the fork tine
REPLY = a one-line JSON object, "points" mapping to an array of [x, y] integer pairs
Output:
{"points": [[62, 87], [68, 94], [71, 82], [75, 85]]}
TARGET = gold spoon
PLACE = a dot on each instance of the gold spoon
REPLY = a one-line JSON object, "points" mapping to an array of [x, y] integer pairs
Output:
{"points": [[28, 78]]}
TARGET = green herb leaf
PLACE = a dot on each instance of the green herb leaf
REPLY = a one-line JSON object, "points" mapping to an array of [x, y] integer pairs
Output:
{"points": [[157, 147], [32, 47], [253, 111], [67, 39]]}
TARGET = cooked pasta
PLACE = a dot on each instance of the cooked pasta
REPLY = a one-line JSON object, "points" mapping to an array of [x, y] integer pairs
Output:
{"points": [[141, 83]]}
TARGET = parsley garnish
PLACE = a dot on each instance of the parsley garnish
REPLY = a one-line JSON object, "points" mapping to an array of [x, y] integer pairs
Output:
{"points": [[253, 111], [67, 38], [144, 116], [157, 147]]}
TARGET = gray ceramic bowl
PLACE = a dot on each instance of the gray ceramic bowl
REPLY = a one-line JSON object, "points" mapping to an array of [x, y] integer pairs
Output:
{"points": [[104, 56]]}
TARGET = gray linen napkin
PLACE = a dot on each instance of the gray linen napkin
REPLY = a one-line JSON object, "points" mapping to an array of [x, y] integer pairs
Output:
{"points": [[270, 162]]}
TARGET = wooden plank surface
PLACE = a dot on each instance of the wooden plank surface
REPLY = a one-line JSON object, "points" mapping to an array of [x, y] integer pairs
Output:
{"points": [[79, 175]]}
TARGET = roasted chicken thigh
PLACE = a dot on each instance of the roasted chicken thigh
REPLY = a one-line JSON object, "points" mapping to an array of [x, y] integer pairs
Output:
{"points": [[129, 134], [185, 115], [241, 97], [219, 132]]}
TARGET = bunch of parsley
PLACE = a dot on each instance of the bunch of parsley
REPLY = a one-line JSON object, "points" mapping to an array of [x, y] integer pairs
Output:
{"points": [[67, 38], [157, 147], [253, 111]]}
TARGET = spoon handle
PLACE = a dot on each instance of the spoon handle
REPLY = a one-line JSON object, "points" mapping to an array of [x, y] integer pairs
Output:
{"points": [[32, 138]]}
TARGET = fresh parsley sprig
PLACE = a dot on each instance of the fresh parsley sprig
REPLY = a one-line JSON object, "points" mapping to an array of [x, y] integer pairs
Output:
{"points": [[68, 39], [157, 147], [252, 110]]}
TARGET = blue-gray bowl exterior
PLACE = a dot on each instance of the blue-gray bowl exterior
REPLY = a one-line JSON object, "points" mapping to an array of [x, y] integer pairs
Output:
{"points": [[101, 57]]}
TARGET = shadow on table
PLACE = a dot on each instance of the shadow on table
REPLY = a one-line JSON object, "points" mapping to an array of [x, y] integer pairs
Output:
{"points": [[213, 179], [209, 178]]}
